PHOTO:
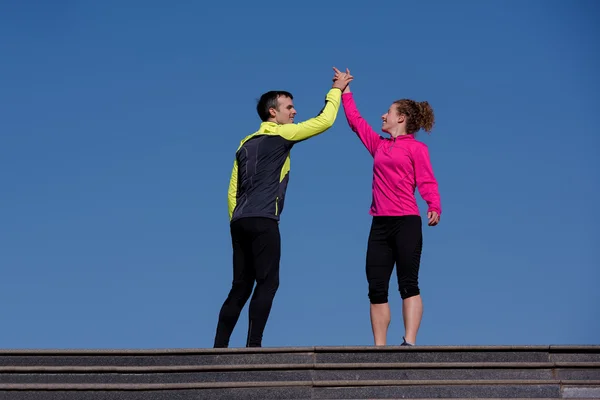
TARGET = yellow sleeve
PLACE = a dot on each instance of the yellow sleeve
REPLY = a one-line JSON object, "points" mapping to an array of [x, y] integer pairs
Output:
{"points": [[232, 192], [317, 125]]}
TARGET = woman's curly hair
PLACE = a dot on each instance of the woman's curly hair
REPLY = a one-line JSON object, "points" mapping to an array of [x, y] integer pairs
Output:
{"points": [[419, 115]]}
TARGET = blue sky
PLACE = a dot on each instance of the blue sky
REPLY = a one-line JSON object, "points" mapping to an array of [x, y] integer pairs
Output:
{"points": [[120, 120]]}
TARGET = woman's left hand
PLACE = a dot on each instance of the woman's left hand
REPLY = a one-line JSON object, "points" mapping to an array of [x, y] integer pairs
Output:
{"points": [[434, 218]]}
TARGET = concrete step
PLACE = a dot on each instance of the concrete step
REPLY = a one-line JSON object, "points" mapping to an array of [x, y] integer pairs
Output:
{"points": [[303, 355], [290, 390], [303, 373]]}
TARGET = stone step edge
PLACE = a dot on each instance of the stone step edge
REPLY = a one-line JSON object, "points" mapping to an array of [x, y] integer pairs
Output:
{"points": [[224, 385], [306, 349], [279, 367], [484, 398]]}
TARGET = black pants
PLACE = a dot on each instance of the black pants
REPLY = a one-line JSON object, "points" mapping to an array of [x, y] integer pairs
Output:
{"points": [[256, 253], [392, 240]]}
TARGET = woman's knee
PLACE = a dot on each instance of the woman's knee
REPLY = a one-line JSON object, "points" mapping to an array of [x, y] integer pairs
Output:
{"points": [[378, 291], [409, 290]]}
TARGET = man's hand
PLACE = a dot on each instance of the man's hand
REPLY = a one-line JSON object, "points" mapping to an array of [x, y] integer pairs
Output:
{"points": [[341, 80], [434, 218]]}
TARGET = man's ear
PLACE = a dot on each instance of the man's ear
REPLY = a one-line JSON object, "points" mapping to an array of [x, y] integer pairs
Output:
{"points": [[272, 112]]}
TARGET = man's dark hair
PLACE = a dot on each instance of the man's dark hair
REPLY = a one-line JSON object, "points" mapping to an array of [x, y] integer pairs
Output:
{"points": [[268, 101]]}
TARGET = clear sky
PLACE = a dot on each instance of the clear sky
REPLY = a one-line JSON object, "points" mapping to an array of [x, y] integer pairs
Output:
{"points": [[119, 121]]}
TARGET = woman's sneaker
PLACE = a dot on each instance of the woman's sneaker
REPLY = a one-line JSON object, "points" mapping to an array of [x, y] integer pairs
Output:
{"points": [[405, 343]]}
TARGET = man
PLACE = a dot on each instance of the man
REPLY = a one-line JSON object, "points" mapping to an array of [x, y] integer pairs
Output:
{"points": [[256, 197]]}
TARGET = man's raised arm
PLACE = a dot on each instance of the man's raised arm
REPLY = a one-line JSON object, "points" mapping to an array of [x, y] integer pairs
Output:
{"points": [[323, 121]]}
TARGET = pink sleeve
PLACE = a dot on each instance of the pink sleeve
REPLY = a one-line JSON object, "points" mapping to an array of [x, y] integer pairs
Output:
{"points": [[366, 134], [426, 182]]}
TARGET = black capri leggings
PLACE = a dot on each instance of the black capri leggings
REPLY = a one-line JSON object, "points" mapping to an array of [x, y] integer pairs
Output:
{"points": [[394, 240]]}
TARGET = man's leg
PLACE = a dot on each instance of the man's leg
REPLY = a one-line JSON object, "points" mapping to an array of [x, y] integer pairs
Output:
{"points": [[380, 264], [266, 250], [241, 288], [408, 245]]}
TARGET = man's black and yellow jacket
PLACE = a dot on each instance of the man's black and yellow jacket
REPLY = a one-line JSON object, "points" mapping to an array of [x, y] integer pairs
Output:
{"points": [[262, 163]]}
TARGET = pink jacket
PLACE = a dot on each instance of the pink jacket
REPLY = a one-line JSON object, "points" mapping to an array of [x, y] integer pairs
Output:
{"points": [[399, 165]]}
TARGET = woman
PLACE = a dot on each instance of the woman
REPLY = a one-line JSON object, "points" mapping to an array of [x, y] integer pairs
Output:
{"points": [[400, 165]]}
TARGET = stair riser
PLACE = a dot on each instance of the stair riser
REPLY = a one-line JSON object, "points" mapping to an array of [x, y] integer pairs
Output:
{"points": [[289, 358], [157, 360], [575, 357], [424, 357], [302, 393], [304, 376], [293, 393]]}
